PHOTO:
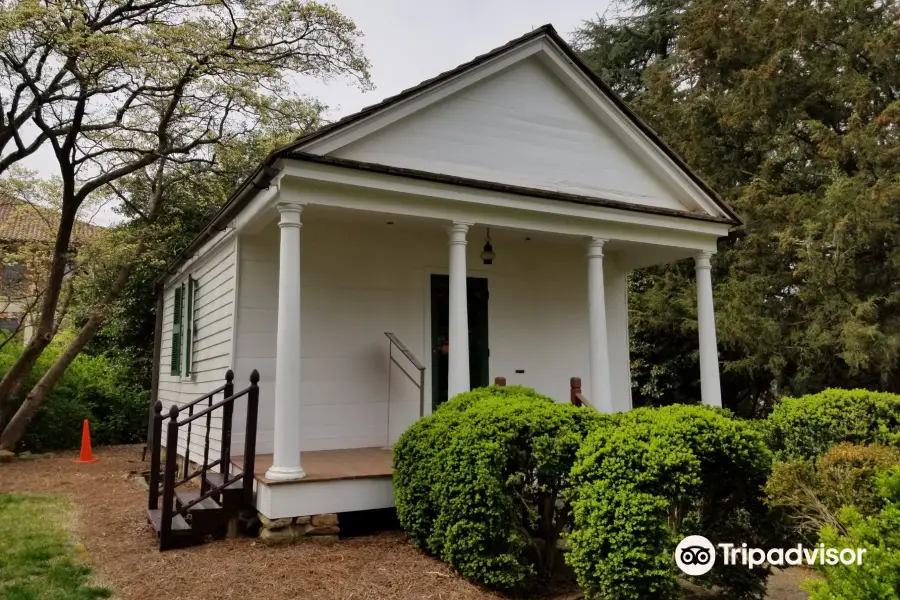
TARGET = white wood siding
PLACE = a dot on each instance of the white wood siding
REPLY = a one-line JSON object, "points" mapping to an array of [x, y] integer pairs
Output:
{"points": [[213, 316], [520, 127], [362, 279]]}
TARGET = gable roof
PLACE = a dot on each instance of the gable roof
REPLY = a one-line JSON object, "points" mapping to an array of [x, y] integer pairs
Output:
{"points": [[296, 148], [268, 170], [22, 222]]}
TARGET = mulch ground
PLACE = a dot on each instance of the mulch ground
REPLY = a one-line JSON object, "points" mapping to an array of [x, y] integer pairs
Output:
{"points": [[110, 524], [121, 547]]}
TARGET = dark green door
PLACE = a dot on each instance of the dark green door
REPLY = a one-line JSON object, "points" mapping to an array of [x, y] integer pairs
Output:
{"points": [[479, 354]]}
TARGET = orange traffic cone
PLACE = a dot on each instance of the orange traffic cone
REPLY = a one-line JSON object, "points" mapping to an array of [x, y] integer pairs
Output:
{"points": [[86, 455]]}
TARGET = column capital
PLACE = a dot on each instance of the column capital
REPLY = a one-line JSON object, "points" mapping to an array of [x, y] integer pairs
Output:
{"points": [[595, 247], [702, 259], [290, 214], [458, 231]]}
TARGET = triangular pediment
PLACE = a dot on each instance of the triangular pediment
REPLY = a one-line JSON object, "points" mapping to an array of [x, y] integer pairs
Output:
{"points": [[530, 118]]}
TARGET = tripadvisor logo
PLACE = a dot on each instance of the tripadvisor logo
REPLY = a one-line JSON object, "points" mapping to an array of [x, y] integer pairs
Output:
{"points": [[695, 555]]}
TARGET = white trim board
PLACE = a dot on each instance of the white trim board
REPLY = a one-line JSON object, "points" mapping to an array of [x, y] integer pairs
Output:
{"points": [[303, 498], [329, 185]]}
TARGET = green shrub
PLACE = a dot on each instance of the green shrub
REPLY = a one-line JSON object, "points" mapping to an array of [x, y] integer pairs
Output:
{"points": [[479, 483], [807, 427], [97, 388], [464, 401], [878, 577], [655, 476], [812, 493]]}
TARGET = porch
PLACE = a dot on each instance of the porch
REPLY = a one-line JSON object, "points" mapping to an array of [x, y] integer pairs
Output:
{"points": [[336, 481], [313, 308], [330, 465]]}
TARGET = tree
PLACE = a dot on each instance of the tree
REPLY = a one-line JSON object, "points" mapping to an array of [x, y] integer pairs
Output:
{"points": [[790, 110], [147, 91], [130, 321]]}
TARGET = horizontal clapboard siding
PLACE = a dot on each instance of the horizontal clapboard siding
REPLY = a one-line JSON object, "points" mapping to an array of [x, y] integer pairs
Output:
{"points": [[213, 323], [376, 280]]}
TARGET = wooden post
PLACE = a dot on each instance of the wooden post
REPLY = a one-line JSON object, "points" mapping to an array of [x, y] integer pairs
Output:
{"points": [[155, 451], [501, 381], [250, 436], [227, 413], [575, 390], [165, 527]]}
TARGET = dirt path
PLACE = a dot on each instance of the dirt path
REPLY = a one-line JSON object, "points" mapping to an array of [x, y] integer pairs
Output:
{"points": [[121, 548]]}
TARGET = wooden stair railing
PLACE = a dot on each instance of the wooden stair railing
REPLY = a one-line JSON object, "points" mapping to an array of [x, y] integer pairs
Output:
{"points": [[575, 396], [189, 516]]}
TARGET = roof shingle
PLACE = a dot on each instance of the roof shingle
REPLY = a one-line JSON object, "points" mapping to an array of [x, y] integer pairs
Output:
{"points": [[22, 222]]}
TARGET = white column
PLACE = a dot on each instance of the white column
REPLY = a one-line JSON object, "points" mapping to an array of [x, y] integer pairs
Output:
{"points": [[615, 295], [286, 461], [710, 389], [458, 360], [600, 393]]}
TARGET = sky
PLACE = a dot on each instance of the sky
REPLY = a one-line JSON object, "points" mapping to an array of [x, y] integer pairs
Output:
{"points": [[408, 41]]}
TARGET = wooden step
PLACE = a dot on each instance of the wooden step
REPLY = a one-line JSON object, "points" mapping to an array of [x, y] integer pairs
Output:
{"points": [[179, 525], [232, 497], [187, 496], [216, 479]]}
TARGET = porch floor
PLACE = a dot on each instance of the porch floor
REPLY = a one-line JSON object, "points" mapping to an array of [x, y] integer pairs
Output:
{"points": [[331, 465]]}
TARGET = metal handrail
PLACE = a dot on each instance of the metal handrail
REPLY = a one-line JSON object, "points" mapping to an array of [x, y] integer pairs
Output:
{"points": [[201, 471], [420, 383], [204, 397], [218, 404]]}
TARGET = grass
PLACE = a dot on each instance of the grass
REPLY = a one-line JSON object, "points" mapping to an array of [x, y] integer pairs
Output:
{"points": [[37, 561]]}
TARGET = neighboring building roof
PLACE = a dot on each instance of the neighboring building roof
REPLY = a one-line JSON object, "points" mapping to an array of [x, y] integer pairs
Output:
{"points": [[266, 171], [22, 222]]}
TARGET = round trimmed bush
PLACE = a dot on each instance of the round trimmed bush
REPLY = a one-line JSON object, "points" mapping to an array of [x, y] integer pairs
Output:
{"points": [[809, 426], [812, 493], [657, 475], [464, 401], [479, 483]]}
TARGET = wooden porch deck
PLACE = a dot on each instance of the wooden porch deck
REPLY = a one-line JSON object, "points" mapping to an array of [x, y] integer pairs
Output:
{"points": [[331, 465]]}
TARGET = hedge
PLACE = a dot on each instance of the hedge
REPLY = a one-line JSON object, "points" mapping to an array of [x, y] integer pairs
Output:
{"points": [[655, 476], [809, 426], [479, 483], [878, 577], [98, 388]]}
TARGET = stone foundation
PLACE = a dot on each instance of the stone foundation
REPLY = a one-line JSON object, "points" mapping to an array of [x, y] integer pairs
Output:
{"points": [[315, 528]]}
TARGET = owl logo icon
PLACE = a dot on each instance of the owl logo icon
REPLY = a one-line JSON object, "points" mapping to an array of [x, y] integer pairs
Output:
{"points": [[695, 555]]}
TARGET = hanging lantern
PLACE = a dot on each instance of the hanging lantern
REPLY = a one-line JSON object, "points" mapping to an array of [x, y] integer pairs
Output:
{"points": [[487, 255]]}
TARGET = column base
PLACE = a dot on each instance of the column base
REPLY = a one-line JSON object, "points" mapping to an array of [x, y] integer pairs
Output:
{"points": [[285, 473]]}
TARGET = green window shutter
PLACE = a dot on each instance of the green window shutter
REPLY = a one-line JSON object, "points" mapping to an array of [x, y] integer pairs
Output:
{"points": [[176, 332], [189, 335]]}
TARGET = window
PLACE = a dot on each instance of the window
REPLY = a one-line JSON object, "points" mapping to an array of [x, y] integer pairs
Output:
{"points": [[183, 328], [13, 273], [9, 324]]}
